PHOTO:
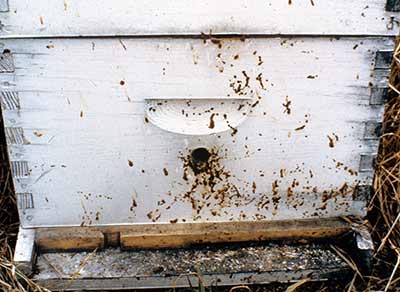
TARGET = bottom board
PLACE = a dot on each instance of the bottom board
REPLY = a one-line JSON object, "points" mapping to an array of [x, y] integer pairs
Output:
{"points": [[217, 266]]}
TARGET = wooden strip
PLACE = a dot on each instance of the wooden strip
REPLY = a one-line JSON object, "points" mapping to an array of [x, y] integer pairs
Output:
{"points": [[182, 234], [340, 17], [69, 239], [24, 255]]}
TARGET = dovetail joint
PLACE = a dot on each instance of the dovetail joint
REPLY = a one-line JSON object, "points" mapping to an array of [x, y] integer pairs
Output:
{"points": [[25, 201], [383, 60], [6, 63], [367, 162], [19, 168], [9, 100], [379, 95], [372, 130], [393, 5], [15, 136]]}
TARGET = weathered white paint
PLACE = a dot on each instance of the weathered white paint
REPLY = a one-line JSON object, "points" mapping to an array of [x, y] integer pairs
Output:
{"points": [[176, 17], [24, 255], [92, 156]]}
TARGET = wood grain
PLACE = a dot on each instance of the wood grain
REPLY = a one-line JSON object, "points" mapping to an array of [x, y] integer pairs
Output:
{"points": [[184, 234]]}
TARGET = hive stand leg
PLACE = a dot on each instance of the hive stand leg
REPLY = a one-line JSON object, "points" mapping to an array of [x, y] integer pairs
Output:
{"points": [[25, 254]]}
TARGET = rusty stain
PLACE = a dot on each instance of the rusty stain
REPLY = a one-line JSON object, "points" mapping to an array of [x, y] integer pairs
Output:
{"points": [[130, 163]]}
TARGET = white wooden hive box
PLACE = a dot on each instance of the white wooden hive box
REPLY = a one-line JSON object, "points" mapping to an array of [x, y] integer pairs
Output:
{"points": [[126, 113]]}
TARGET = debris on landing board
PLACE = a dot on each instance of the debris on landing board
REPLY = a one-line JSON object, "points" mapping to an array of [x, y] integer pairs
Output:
{"points": [[114, 268]]}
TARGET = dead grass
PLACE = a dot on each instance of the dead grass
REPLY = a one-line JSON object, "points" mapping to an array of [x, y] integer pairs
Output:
{"points": [[384, 216]]}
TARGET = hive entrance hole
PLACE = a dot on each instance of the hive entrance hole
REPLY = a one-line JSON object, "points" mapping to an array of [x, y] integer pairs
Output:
{"points": [[200, 155]]}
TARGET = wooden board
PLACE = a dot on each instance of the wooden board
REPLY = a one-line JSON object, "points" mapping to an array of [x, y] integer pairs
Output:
{"points": [[183, 17], [101, 131], [113, 269], [185, 234]]}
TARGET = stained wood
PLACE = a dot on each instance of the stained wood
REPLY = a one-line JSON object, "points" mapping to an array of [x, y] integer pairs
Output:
{"points": [[181, 17], [91, 156], [69, 239], [113, 269], [184, 234], [232, 232]]}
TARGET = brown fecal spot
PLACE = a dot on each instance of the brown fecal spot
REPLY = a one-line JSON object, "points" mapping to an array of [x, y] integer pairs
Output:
{"points": [[236, 57], [130, 163], [312, 76], [286, 105], [260, 61], [146, 119], [165, 171], [50, 46], [81, 114], [331, 142], [122, 82], [37, 134], [173, 221], [300, 128], [41, 20], [134, 205], [212, 123], [259, 79]]}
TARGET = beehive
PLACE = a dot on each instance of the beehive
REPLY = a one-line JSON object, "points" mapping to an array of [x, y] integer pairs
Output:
{"points": [[168, 123]]}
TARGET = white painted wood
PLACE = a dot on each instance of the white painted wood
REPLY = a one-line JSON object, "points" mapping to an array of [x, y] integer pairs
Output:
{"points": [[94, 160], [24, 254], [177, 17]]}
